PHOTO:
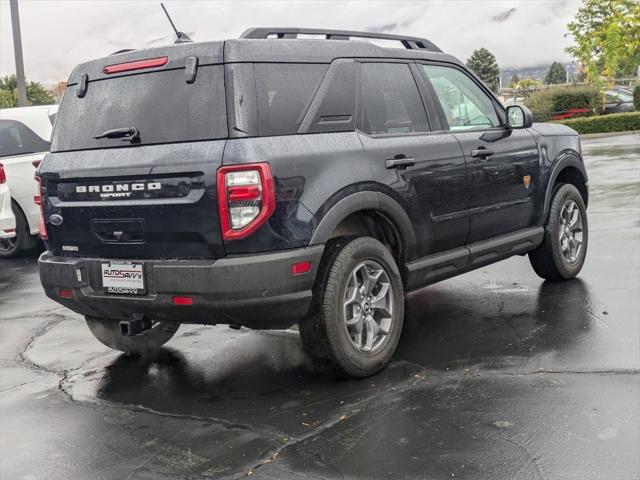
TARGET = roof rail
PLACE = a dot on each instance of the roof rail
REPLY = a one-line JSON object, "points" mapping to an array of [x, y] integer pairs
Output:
{"points": [[407, 42]]}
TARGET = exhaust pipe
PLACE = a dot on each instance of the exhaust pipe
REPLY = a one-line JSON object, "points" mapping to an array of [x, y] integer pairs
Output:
{"points": [[129, 328]]}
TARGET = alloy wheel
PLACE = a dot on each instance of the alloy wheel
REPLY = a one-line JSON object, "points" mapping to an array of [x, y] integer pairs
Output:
{"points": [[571, 231], [7, 244], [368, 306]]}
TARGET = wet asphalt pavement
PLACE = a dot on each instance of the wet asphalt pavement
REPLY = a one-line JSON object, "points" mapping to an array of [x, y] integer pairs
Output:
{"points": [[497, 376]]}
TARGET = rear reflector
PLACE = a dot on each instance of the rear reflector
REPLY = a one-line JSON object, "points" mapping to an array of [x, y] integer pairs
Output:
{"points": [[36, 163], [9, 230], [137, 65], [300, 268], [182, 301], [3, 176], [65, 293]]}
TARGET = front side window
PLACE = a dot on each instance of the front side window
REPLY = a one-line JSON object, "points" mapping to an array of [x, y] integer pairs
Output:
{"points": [[466, 106], [390, 100], [18, 139]]}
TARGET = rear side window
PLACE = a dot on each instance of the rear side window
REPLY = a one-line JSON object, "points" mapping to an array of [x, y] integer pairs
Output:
{"points": [[284, 92], [390, 100], [161, 105], [18, 139]]}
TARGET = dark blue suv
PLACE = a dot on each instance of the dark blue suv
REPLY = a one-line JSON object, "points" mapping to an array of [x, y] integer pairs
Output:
{"points": [[274, 180]]}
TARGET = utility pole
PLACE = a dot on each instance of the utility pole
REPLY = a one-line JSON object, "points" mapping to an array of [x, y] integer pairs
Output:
{"points": [[17, 50]]}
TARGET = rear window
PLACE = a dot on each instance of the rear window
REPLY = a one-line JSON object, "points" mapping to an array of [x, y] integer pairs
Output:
{"points": [[284, 92], [18, 139], [391, 102], [161, 105]]}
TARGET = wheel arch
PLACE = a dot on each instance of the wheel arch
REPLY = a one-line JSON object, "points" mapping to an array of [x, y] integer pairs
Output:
{"points": [[373, 213], [569, 169]]}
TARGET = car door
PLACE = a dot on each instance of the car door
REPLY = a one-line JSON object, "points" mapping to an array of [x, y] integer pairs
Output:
{"points": [[422, 168], [503, 164]]}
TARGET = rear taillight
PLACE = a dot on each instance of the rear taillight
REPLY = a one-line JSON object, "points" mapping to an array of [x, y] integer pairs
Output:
{"points": [[39, 200], [3, 176], [246, 198]]}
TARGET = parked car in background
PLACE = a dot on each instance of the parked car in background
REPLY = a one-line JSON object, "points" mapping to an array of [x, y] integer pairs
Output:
{"points": [[618, 100], [24, 140], [7, 218]]}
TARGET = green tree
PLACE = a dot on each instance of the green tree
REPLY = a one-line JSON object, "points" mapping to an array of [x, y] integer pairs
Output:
{"points": [[515, 79], [556, 74], [607, 38], [484, 64], [36, 93]]}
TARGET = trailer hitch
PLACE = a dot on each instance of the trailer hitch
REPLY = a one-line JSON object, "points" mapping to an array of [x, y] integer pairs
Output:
{"points": [[135, 326]]}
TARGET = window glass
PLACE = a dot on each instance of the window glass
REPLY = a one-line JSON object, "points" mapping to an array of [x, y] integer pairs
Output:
{"points": [[161, 105], [464, 103], [391, 102], [611, 98], [18, 139], [618, 96], [284, 93]]}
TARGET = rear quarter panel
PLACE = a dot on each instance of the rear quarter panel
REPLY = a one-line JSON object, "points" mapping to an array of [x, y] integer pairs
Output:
{"points": [[308, 170]]}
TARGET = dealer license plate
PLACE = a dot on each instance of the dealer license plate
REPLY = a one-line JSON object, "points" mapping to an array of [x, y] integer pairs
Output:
{"points": [[123, 278]]}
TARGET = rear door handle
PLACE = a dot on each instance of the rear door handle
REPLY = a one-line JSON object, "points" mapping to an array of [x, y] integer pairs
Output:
{"points": [[400, 162], [481, 152]]}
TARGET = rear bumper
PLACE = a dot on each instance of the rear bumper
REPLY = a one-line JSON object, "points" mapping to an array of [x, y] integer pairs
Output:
{"points": [[257, 291]]}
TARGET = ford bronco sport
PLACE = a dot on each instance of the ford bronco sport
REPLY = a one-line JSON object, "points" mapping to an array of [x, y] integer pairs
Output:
{"points": [[279, 179]]}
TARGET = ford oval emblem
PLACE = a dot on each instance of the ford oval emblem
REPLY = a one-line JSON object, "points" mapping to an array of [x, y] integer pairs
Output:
{"points": [[56, 219]]}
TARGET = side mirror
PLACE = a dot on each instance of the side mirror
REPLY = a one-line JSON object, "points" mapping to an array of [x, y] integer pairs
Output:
{"points": [[519, 116]]}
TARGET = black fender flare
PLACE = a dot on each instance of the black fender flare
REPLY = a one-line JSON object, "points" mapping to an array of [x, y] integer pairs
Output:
{"points": [[564, 162], [368, 200]]}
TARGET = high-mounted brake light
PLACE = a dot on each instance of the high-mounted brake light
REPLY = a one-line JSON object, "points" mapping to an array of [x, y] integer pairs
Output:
{"points": [[3, 176], [246, 198], [39, 200], [136, 65]]}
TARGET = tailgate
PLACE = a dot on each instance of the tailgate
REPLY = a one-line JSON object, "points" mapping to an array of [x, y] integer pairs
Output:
{"points": [[151, 194], [142, 202]]}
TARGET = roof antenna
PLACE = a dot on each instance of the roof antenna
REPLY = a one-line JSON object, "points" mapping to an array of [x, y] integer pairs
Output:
{"points": [[182, 37]]}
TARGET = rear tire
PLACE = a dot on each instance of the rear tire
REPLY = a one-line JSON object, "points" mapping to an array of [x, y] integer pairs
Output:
{"points": [[12, 247], [356, 321], [564, 248], [107, 332]]}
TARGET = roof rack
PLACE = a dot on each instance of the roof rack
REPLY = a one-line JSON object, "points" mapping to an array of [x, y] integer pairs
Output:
{"points": [[408, 42]]}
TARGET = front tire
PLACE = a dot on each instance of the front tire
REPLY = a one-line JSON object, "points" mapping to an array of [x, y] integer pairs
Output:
{"points": [[354, 326], [564, 248], [107, 332]]}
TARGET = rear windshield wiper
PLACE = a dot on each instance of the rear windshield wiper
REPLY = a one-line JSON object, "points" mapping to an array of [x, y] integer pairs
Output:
{"points": [[128, 133]]}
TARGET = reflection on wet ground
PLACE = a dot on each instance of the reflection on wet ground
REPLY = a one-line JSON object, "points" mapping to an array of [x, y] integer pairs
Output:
{"points": [[498, 375]]}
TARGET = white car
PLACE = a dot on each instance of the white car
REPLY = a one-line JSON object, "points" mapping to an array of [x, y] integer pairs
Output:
{"points": [[24, 140], [7, 218]]}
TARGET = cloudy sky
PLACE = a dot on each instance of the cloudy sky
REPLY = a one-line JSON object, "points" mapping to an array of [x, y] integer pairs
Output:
{"points": [[59, 34]]}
